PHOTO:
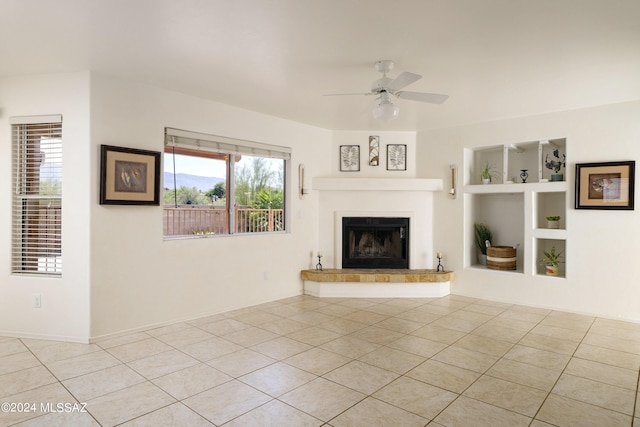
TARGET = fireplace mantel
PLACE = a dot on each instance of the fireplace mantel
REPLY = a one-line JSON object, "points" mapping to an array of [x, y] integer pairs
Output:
{"points": [[376, 184], [341, 196]]}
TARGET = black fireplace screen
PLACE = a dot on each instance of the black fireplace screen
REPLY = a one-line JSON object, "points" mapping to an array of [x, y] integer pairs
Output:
{"points": [[375, 242]]}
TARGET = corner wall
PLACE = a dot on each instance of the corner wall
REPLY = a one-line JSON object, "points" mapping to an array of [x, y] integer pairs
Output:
{"points": [[602, 246], [374, 203], [138, 279], [65, 300]]}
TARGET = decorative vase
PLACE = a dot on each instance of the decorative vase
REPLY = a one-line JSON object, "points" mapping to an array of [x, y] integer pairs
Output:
{"points": [[524, 175], [553, 224], [551, 270], [557, 177], [482, 258]]}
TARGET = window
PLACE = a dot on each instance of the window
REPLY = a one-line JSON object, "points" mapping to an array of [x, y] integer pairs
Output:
{"points": [[36, 243], [215, 185]]}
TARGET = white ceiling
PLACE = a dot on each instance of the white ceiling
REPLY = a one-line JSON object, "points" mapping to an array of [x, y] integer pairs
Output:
{"points": [[495, 58]]}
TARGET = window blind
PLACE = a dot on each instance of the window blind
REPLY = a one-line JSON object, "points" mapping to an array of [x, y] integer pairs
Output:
{"points": [[220, 144], [37, 195]]}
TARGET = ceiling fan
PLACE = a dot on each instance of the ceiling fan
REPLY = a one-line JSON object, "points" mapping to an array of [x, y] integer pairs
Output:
{"points": [[384, 87]]}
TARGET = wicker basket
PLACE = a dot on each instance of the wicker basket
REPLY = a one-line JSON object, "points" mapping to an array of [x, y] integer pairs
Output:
{"points": [[501, 258]]}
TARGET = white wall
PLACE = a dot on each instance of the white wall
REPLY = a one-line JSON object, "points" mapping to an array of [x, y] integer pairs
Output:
{"points": [[120, 275], [137, 278], [602, 246], [65, 301], [118, 272]]}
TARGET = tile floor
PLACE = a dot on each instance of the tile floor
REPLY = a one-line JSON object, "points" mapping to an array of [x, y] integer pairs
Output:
{"points": [[305, 361]]}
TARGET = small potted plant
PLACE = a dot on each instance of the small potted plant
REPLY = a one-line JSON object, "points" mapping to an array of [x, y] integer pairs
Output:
{"points": [[483, 235], [556, 165], [553, 221], [487, 173], [551, 261]]}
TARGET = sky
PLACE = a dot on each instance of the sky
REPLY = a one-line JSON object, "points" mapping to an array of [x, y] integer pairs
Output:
{"points": [[195, 166]]}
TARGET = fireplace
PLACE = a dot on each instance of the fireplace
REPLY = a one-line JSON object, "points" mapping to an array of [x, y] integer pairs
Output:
{"points": [[375, 242]]}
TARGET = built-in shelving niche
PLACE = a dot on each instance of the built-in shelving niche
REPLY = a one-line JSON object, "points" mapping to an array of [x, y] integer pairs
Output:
{"points": [[509, 160], [546, 245], [503, 214], [515, 211]]}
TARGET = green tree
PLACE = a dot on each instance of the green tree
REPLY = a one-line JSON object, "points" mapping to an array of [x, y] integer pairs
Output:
{"points": [[185, 196], [268, 200], [218, 191], [169, 196], [50, 187], [189, 196], [251, 177], [265, 201]]}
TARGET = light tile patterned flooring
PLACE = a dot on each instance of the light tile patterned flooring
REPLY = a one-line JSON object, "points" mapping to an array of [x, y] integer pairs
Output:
{"points": [[305, 361]]}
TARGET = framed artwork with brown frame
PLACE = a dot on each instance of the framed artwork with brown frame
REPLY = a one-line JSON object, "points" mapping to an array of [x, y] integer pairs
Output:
{"points": [[607, 185], [129, 176]]}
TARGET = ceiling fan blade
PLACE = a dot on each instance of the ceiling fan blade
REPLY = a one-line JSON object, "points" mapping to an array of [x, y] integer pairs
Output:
{"points": [[404, 79], [432, 98], [347, 94]]}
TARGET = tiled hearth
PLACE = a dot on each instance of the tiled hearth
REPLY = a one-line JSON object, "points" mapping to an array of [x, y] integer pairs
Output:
{"points": [[376, 283], [377, 275]]}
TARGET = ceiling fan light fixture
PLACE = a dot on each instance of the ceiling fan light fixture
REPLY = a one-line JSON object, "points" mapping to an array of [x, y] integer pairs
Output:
{"points": [[386, 111]]}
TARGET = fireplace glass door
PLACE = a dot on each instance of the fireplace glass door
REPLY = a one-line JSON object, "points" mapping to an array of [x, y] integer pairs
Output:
{"points": [[375, 242]]}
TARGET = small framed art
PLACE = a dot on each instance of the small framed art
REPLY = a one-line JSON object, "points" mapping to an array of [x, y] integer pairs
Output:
{"points": [[608, 185], [129, 176], [397, 157], [349, 158]]}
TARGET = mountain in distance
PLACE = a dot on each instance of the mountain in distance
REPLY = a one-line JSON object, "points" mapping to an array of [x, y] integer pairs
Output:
{"points": [[202, 183]]}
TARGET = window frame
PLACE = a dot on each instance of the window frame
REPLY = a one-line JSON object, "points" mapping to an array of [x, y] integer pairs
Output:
{"points": [[187, 143], [36, 225]]}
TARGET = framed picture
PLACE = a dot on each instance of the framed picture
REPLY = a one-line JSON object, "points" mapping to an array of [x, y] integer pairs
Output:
{"points": [[374, 150], [397, 157], [349, 158], [607, 185], [129, 176]]}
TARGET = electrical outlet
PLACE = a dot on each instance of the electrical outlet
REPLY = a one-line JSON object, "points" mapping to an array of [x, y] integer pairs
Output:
{"points": [[37, 301]]}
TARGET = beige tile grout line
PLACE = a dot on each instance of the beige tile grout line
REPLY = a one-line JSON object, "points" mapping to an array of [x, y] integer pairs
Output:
{"points": [[565, 366], [370, 395]]}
